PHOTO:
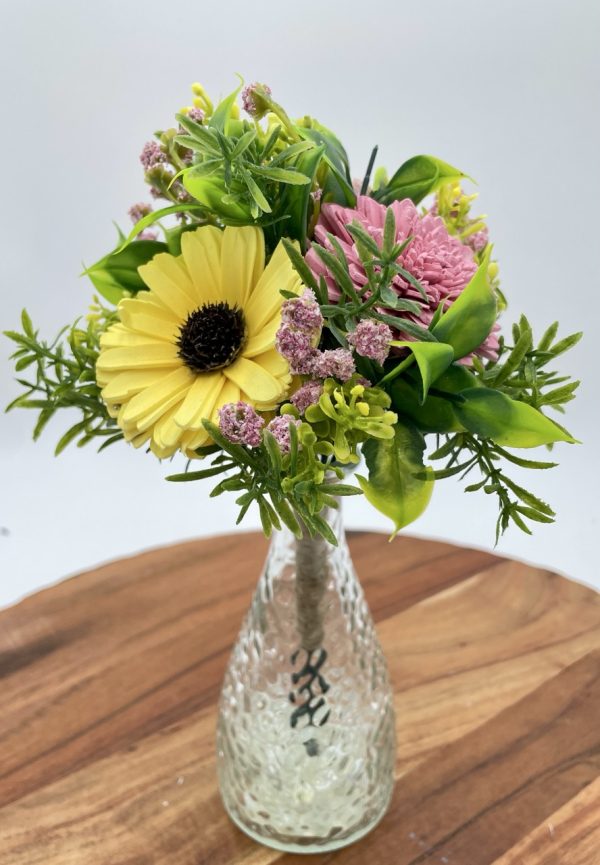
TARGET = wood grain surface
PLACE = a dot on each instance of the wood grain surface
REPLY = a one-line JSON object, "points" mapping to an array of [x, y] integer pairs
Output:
{"points": [[109, 683]]}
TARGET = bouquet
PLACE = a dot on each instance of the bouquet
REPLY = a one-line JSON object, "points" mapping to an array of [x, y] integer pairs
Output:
{"points": [[275, 321]]}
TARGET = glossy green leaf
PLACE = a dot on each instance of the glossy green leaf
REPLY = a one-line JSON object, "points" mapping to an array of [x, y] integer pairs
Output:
{"points": [[153, 217], [471, 317], [337, 183], [295, 200], [210, 191], [492, 414], [399, 485], [433, 358], [117, 272], [437, 413], [417, 178]]}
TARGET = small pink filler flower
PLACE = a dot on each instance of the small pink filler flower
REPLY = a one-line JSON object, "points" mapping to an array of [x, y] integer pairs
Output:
{"points": [[241, 424]]}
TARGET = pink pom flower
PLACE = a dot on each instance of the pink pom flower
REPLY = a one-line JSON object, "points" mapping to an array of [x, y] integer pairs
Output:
{"points": [[440, 262], [335, 363], [303, 313], [255, 99], [280, 428], [138, 211], [307, 395], [371, 339], [152, 155], [241, 424], [301, 322], [296, 347]]}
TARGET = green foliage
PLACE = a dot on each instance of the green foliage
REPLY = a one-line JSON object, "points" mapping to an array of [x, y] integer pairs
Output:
{"points": [[491, 414], [117, 275], [465, 452], [290, 489], [347, 415], [356, 304], [433, 359], [399, 485], [243, 176], [522, 373], [468, 321], [64, 377], [416, 178]]}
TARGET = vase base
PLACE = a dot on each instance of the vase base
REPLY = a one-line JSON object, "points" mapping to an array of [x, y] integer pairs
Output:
{"points": [[311, 846]]}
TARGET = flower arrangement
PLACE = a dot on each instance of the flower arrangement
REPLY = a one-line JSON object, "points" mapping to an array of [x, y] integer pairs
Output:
{"points": [[274, 320]]}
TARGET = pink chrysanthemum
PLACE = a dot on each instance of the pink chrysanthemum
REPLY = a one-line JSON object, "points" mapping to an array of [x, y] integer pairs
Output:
{"points": [[441, 263]]}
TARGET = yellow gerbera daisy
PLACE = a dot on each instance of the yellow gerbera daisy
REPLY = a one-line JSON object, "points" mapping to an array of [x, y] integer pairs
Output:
{"points": [[201, 337]]}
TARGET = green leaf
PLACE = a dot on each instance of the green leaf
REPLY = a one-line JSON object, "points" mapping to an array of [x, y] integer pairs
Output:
{"points": [[69, 436], [184, 477], [210, 192], [300, 265], [295, 200], [117, 272], [396, 485], [281, 175], [471, 317], [433, 358], [417, 178], [491, 414], [222, 113], [565, 344], [273, 451], [516, 356], [337, 185], [243, 143], [153, 217], [202, 134], [256, 192], [26, 324], [529, 498]]}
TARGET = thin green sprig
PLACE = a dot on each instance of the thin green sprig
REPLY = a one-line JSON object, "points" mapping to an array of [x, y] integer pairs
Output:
{"points": [[289, 489], [465, 452], [64, 377]]}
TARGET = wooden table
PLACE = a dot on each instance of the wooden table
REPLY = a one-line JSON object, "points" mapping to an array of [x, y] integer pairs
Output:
{"points": [[109, 683]]}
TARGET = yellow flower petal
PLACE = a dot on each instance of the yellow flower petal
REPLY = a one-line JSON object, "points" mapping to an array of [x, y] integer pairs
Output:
{"points": [[242, 262], [203, 392], [167, 434], [138, 316], [201, 252], [274, 363], [124, 385], [264, 339], [259, 384], [192, 440], [157, 398], [230, 393], [169, 284], [265, 300], [159, 354]]}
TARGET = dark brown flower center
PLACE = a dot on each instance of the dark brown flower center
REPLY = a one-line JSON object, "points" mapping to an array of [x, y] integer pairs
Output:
{"points": [[212, 337]]}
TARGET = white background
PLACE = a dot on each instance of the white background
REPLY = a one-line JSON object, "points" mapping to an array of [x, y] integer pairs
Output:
{"points": [[507, 91]]}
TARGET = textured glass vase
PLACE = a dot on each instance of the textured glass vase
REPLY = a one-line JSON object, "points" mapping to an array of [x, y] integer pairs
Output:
{"points": [[306, 735]]}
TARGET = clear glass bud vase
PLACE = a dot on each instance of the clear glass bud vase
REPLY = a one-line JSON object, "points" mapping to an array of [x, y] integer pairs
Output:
{"points": [[306, 734]]}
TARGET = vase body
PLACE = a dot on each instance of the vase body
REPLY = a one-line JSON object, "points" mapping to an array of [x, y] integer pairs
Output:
{"points": [[306, 733]]}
